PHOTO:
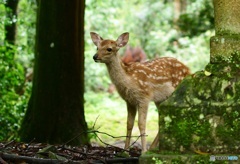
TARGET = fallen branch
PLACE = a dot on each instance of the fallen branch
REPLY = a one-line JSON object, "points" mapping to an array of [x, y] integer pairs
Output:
{"points": [[20, 159]]}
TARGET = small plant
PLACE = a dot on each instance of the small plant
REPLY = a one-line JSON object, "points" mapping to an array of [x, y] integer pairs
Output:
{"points": [[157, 161]]}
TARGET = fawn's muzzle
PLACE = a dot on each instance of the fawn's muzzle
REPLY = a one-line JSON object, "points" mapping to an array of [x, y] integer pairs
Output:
{"points": [[95, 58]]}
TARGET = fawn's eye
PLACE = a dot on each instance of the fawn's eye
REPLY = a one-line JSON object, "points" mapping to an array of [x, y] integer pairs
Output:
{"points": [[109, 49]]}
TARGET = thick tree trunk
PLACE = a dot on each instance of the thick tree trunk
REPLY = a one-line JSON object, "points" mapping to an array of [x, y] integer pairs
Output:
{"points": [[10, 27], [55, 112]]}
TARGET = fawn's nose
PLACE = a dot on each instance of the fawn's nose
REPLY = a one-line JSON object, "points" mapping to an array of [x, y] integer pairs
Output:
{"points": [[95, 57]]}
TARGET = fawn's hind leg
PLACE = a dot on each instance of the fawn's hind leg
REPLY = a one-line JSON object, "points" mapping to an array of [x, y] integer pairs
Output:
{"points": [[155, 142]]}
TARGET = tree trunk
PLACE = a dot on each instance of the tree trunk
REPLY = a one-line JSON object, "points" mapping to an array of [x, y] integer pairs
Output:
{"points": [[55, 111], [177, 10], [179, 7], [10, 27]]}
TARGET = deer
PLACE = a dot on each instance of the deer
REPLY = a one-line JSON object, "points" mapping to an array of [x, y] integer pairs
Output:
{"points": [[139, 83], [134, 54]]}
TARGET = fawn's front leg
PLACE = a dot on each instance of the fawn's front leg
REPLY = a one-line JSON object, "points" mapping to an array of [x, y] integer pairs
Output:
{"points": [[142, 118], [132, 110]]}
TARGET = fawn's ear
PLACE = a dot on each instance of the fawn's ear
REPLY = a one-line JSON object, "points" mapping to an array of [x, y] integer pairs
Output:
{"points": [[122, 39], [96, 38]]}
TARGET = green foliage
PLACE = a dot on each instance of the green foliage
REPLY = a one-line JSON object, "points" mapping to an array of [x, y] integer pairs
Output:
{"points": [[15, 64], [2, 21], [12, 103], [157, 161], [197, 19]]}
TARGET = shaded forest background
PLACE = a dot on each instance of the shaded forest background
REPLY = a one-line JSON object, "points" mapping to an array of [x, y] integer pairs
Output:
{"points": [[177, 28]]}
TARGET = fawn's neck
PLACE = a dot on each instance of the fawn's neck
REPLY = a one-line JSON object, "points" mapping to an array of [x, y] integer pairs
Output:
{"points": [[117, 72]]}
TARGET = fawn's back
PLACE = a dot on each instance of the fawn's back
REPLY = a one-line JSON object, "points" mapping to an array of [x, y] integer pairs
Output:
{"points": [[156, 79]]}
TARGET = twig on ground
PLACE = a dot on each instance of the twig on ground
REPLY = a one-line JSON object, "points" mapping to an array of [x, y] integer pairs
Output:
{"points": [[110, 144], [18, 158], [95, 121], [136, 140], [9, 143]]}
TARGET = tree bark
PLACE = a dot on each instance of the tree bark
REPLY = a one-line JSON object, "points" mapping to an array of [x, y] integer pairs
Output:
{"points": [[55, 112]]}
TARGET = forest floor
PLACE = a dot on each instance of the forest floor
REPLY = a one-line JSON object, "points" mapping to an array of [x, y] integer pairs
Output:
{"points": [[24, 153]]}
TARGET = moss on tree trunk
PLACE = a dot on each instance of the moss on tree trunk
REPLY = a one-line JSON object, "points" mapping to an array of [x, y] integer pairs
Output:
{"points": [[203, 113]]}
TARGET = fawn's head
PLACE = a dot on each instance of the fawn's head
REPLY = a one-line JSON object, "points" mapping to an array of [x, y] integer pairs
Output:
{"points": [[106, 49]]}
